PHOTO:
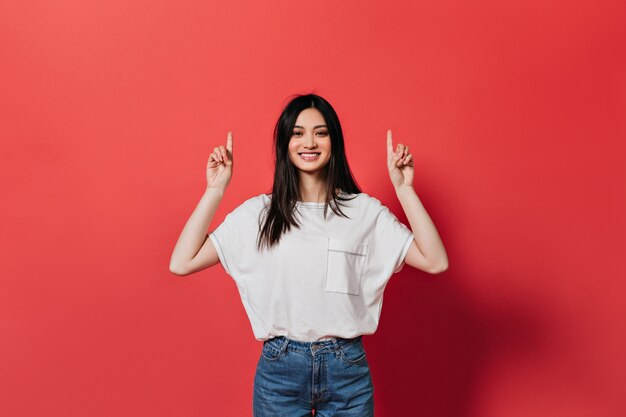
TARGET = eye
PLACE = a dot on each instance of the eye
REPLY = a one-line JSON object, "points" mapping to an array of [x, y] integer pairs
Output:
{"points": [[322, 133], [296, 133]]}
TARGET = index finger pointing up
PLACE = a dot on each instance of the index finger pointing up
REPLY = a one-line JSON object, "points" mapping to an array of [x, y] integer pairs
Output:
{"points": [[389, 143], [229, 142]]}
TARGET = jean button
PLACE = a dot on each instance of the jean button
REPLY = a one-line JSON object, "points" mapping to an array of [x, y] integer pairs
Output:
{"points": [[315, 348]]}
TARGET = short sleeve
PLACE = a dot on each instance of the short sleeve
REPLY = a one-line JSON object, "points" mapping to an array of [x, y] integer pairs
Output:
{"points": [[235, 237], [224, 238], [391, 240]]}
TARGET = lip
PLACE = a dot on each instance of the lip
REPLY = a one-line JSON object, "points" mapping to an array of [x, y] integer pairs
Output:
{"points": [[310, 158]]}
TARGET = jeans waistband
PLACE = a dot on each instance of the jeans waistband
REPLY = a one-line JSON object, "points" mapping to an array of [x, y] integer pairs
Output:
{"points": [[283, 343]]}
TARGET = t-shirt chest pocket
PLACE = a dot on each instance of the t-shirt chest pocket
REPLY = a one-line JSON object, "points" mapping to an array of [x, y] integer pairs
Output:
{"points": [[346, 262]]}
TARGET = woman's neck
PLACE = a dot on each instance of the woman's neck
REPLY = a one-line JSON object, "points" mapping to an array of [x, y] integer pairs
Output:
{"points": [[312, 189]]}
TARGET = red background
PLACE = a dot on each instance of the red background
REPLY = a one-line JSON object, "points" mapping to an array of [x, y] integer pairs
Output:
{"points": [[514, 112]]}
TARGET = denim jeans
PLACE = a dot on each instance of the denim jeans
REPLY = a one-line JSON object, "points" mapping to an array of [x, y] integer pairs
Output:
{"points": [[331, 377]]}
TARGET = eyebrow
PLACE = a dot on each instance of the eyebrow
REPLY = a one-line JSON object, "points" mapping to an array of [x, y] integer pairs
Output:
{"points": [[314, 127]]}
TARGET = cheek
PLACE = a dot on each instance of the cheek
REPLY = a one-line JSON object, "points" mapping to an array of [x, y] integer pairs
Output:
{"points": [[291, 156]]}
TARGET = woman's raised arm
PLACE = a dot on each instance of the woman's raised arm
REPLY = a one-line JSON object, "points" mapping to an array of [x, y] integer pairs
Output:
{"points": [[426, 252], [194, 250]]}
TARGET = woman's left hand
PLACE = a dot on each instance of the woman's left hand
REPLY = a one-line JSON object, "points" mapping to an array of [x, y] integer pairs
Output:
{"points": [[399, 163]]}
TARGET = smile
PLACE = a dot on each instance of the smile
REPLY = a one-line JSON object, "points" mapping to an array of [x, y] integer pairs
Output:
{"points": [[309, 156]]}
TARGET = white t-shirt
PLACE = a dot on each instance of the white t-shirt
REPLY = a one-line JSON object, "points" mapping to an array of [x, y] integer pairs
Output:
{"points": [[323, 280]]}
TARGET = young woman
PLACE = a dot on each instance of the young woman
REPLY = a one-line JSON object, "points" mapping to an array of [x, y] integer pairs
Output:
{"points": [[311, 261]]}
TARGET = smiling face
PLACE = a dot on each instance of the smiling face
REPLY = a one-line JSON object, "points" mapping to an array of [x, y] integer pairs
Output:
{"points": [[309, 146]]}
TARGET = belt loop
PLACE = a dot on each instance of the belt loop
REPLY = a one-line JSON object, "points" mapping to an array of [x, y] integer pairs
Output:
{"points": [[283, 348], [335, 346]]}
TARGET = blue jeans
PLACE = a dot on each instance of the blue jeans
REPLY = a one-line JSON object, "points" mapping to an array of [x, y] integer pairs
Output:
{"points": [[331, 377]]}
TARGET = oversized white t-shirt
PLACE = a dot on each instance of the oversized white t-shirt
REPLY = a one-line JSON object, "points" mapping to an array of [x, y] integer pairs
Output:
{"points": [[323, 280]]}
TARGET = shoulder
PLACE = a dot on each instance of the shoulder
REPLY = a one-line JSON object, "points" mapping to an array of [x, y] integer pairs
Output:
{"points": [[368, 198], [372, 210], [251, 206], [257, 201], [368, 202]]}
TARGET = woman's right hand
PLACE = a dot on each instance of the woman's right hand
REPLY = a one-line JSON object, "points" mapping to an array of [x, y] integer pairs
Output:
{"points": [[220, 166]]}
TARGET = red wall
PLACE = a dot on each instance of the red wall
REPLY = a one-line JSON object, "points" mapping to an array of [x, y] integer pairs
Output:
{"points": [[514, 112]]}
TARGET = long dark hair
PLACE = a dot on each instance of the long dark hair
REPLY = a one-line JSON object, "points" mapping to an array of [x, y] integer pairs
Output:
{"points": [[279, 215]]}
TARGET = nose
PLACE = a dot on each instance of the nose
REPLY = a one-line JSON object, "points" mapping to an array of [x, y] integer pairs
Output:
{"points": [[310, 143]]}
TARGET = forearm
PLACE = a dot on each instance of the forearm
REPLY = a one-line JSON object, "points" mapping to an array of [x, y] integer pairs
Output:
{"points": [[194, 233], [423, 228]]}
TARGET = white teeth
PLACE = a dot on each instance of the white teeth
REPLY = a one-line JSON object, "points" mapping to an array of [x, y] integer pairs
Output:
{"points": [[309, 154]]}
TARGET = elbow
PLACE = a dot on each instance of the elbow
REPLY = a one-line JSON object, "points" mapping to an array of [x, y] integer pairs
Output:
{"points": [[438, 269], [178, 270]]}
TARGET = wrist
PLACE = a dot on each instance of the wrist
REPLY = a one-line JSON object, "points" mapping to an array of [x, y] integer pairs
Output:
{"points": [[215, 191], [404, 188]]}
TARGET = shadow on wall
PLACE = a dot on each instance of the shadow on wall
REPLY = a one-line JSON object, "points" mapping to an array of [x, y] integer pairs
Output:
{"points": [[436, 345], [432, 346]]}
